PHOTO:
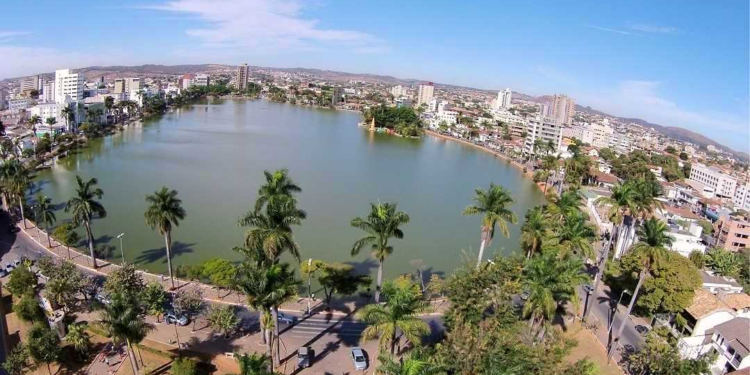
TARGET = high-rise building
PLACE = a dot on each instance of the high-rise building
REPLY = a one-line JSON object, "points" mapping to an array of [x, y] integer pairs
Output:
{"points": [[562, 108], [31, 83], [398, 91], [126, 85], [741, 198], [2, 100], [243, 74], [426, 92], [68, 85], [202, 80], [503, 99], [48, 92], [545, 129]]}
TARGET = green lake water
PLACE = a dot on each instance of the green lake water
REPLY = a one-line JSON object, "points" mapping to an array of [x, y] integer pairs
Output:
{"points": [[214, 153]]}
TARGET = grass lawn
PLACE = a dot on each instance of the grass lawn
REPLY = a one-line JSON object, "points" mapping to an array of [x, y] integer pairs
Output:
{"points": [[589, 347]]}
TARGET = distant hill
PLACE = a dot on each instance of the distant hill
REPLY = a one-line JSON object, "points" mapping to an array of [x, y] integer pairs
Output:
{"points": [[94, 72]]}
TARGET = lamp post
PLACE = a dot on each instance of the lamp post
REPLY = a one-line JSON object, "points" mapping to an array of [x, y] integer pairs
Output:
{"points": [[122, 252], [309, 288]]}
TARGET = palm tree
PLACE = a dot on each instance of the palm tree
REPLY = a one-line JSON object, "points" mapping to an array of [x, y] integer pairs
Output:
{"points": [[67, 113], [253, 364], [278, 186], [85, 207], [533, 231], [409, 365], [16, 179], [78, 338], [549, 164], [650, 251], [550, 282], [562, 206], [397, 318], [45, 214], [165, 210], [381, 224], [272, 230], [622, 202], [124, 321], [576, 237], [494, 206]]}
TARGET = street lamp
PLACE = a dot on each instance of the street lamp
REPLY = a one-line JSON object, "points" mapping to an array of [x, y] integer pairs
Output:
{"points": [[122, 252]]}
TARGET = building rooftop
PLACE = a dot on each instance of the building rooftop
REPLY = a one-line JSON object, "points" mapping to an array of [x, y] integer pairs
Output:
{"points": [[705, 303], [681, 212], [737, 301], [709, 278], [735, 333]]}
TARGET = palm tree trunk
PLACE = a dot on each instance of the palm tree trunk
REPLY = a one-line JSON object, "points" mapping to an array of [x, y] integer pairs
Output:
{"points": [[131, 355], [23, 218], [168, 241], [598, 278], [263, 328], [481, 251], [5, 202], [380, 281], [641, 278], [393, 343], [91, 243], [277, 350], [177, 337]]}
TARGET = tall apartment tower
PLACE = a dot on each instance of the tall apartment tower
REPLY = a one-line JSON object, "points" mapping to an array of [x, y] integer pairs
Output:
{"points": [[503, 99], [127, 85], [426, 93], [243, 74], [68, 85], [562, 108]]}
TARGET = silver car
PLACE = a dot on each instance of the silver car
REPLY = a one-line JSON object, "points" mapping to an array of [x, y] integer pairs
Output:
{"points": [[359, 359], [173, 318]]}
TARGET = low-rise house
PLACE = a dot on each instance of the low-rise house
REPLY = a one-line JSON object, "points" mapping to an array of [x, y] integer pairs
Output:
{"points": [[720, 284], [605, 180]]}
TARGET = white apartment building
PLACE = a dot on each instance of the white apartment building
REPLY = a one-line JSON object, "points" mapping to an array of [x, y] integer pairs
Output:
{"points": [[503, 99], [31, 83], [516, 124], [722, 184], [582, 133], [202, 80], [562, 108], [741, 197], [126, 85], [425, 94], [68, 85], [47, 110], [544, 128], [398, 91], [48, 92]]}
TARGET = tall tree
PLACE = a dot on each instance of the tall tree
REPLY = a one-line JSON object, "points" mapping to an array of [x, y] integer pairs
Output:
{"points": [[85, 206], [124, 321], [533, 231], [272, 229], [253, 364], [43, 345], [164, 211], [397, 318], [278, 187], [381, 224], [575, 237], [15, 180], [45, 214], [494, 206], [651, 250]]}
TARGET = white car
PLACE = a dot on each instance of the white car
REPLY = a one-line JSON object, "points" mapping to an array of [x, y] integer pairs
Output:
{"points": [[359, 359], [288, 319]]}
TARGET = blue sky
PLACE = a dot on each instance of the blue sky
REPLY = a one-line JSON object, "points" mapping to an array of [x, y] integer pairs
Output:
{"points": [[676, 63]]}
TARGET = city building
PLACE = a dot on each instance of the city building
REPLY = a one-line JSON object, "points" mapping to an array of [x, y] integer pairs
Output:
{"points": [[503, 99], [126, 85], [48, 92], [403, 101], [31, 83], [562, 108], [398, 91], [2, 100], [19, 104], [241, 77], [546, 129], [741, 197], [723, 185], [186, 81], [730, 340], [732, 232], [68, 85], [202, 80], [425, 94], [333, 95], [47, 110]]}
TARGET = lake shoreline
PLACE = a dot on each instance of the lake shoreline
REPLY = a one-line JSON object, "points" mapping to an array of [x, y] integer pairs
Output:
{"points": [[526, 174]]}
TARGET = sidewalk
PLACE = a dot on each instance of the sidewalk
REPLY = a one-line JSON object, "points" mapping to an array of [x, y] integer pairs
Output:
{"points": [[210, 293]]}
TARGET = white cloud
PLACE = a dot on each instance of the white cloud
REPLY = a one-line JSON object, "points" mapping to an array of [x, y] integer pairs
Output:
{"points": [[653, 28], [264, 26], [611, 30], [641, 99]]}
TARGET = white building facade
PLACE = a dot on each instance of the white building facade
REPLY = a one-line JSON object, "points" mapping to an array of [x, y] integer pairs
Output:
{"points": [[68, 85], [425, 94], [722, 184], [544, 128]]}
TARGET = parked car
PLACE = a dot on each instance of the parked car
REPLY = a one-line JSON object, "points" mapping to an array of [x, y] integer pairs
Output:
{"points": [[171, 318], [288, 319], [9, 267], [103, 298], [305, 357], [3, 272], [359, 358], [643, 330]]}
